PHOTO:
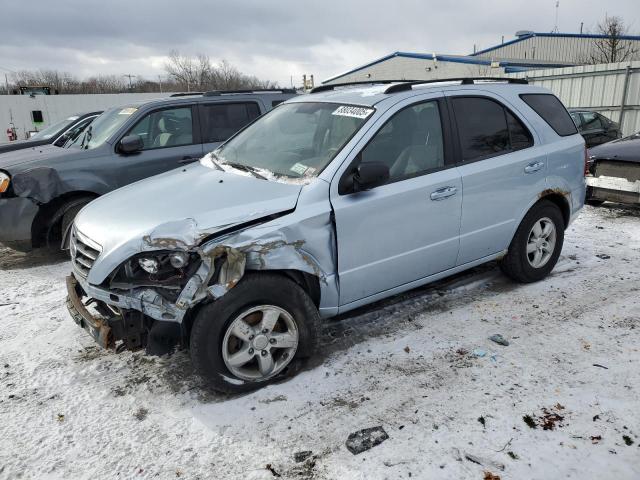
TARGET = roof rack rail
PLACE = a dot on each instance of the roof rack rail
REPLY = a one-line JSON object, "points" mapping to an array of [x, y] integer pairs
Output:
{"points": [[214, 93], [185, 94], [331, 86], [403, 87]]}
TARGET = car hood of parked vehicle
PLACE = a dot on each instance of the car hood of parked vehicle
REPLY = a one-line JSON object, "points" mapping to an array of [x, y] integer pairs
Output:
{"points": [[625, 149], [180, 208], [22, 144], [29, 156]]}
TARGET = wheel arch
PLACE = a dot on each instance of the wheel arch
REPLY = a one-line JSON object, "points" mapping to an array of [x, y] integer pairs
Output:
{"points": [[49, 216]]}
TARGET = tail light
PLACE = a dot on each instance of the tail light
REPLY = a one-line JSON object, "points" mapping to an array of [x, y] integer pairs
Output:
{"points": [[586, 161]]}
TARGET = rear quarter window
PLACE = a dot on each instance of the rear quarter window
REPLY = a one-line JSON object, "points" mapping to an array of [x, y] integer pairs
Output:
{"points": [[552, 111]]}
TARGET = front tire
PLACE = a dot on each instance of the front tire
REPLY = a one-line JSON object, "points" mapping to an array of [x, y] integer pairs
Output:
{"points": [[537, 244], [255, 334]]}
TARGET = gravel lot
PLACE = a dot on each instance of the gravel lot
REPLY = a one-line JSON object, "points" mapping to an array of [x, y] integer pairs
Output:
{"points": [[413, 365]]}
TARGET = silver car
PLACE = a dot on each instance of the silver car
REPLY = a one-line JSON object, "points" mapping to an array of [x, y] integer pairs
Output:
{"points": [[331, 201]]}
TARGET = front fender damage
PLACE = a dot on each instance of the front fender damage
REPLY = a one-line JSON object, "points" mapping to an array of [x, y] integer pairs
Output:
{"points": [[225, 260]]}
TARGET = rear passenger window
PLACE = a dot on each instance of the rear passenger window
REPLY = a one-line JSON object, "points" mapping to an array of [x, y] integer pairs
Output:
{"points": [[221, 120], [486, 128], [552, 111], [482, 127], [519, 135]]}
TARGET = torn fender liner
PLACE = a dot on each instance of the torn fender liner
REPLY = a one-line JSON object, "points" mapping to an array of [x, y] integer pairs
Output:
{"points": [[97, 328], [41, 183]]}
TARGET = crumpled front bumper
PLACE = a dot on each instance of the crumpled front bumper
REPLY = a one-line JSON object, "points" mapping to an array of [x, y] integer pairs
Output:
{"points": [[146, 301], [97, 327]]}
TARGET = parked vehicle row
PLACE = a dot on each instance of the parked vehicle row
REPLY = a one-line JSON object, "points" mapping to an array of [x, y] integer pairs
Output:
{"points": [[330, 201], [43, 189]]}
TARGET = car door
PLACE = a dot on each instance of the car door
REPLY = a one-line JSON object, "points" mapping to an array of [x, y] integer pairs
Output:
{"points": [[220, 120], [502, 170], [170, 139], [407, 228]]}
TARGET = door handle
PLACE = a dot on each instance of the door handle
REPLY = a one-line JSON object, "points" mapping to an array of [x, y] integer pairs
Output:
{"points": [[533, 167], [443, 193], [188, 159]]}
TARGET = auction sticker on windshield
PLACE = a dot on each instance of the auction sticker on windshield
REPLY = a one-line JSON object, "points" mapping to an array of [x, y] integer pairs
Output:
{"points": [[349, 111], [127, 111]]}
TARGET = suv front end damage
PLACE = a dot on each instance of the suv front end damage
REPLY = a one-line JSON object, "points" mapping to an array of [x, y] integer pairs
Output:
{"points": [[148, 299]]}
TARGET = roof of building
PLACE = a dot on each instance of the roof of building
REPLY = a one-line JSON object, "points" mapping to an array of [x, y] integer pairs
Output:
{"points": [[528, 35], [510, 66]]}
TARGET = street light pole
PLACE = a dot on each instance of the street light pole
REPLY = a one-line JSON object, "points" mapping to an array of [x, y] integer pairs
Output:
{"points": [[130, 77]]}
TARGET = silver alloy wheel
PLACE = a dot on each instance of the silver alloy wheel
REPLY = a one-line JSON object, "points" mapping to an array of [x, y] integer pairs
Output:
{"points": [[541, 243], [260, 342]]}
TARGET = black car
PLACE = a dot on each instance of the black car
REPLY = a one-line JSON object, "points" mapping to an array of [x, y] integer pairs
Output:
{"points": [[615, 172], [56, 134], [594, 127]]}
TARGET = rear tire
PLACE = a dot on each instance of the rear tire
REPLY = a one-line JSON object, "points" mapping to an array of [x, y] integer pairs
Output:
{"points": [[537, 244], [230, 345]]}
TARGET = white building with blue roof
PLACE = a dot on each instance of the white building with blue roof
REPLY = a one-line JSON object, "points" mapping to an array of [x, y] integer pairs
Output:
{"points": [[529, 50]]}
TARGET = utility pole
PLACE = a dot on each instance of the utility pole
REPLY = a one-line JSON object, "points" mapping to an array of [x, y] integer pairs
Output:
{"points": [[130, 77], [160, 82], [6, 83]]}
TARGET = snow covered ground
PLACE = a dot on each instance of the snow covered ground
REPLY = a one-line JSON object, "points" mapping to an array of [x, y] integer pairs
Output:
{"points": [[69, 410]]}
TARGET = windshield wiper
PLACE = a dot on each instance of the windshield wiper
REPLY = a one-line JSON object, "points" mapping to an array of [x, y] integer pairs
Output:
{"points": [[216, 164], [247, 168], [86, 137]]}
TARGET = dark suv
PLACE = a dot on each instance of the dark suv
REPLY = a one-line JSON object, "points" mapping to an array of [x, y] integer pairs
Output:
{"points": [[40, 193], [596, 129]]}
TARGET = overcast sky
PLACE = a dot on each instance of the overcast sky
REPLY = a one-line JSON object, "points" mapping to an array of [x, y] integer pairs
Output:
{"points": [[272, 40]]}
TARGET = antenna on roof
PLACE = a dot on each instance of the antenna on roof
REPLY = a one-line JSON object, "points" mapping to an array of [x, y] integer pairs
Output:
{"points": [[555, 27]]}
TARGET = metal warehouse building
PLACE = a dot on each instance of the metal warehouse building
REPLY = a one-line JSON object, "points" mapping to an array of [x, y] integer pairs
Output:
{"points": [[529, 50]]}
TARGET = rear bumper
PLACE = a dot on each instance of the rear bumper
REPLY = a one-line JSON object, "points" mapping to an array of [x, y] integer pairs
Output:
{"points": [[16, 218]]}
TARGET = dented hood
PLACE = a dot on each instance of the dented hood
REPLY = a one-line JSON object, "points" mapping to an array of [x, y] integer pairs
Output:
{"points": [[179, 208]]}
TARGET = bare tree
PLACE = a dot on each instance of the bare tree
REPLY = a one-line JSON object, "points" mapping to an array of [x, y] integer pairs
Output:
{"points": [[192, 74], [612, 47]]}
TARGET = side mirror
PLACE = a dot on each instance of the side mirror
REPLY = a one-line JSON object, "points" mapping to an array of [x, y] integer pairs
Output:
{"points": [[369, 175], [131, 144]]}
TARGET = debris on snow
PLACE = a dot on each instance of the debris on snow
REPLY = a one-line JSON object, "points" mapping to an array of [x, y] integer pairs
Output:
{"points": [[479, 353], [549, 419], [300, 457], [627, 440], [603, 256], [499, 339], [485, 462], [491, 476], [366, 439]]}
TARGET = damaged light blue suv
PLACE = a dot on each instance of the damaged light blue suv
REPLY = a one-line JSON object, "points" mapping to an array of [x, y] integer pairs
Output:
{"points": [[331, 201]]}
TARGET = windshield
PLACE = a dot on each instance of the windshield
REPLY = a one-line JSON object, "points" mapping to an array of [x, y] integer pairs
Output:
{"points": [[51, 130], [294, 140], [102, 128]]}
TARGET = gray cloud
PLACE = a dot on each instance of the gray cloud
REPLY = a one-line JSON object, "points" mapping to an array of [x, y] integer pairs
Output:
{"points": [[274, 40]]}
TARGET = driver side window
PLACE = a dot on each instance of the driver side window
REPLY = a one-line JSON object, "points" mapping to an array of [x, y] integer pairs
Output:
{"points": [[410, 143], [165, 128]]}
